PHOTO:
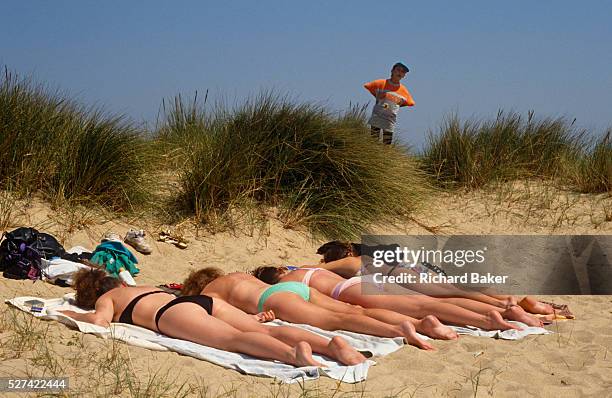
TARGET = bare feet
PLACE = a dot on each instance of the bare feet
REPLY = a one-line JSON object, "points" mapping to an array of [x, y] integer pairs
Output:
{"points": [[532, 305], [303, 355], [412, 338], [516, 313], [432, 327], [496, 322], [509, 302], [343, 352]]}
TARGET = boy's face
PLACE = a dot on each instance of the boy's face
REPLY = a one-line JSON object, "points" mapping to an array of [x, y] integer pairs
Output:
{"points": [[398, 73]]}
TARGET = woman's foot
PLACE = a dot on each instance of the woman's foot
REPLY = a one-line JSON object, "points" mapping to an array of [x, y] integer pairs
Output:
{"points": [[343, 352], [532, 305], [303, 355], [432, 327], [516, 313], [494, 321], [412, 338], [509, 302]]}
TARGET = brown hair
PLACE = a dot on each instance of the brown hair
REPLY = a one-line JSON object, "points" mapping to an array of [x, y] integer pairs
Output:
{"points": [[197, 280], [267, 274], [90, 284], [337, 250]]}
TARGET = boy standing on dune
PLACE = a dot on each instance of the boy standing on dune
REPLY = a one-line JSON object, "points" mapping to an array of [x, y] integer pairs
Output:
{"points": [[390, 96]]}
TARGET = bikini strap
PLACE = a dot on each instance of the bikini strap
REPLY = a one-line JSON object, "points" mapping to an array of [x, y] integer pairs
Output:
{"points": [[306, 279], [126, 315]]}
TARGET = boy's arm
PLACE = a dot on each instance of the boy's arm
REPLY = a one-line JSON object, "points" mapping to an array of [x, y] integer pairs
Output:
{"points": [[372, 86], [409, 100]]}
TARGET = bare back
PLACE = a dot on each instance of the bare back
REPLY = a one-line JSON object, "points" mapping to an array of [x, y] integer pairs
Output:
{"points": [[239, 289], [146, 308], [322, 280]]}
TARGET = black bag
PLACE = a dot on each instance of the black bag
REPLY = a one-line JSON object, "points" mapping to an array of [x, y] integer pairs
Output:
{"points": [[21, 252]]}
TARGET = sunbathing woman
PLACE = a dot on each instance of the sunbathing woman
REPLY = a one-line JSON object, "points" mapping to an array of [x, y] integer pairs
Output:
{"points": [[350, 291], [201, 319], [293, 302], [344, 259]]}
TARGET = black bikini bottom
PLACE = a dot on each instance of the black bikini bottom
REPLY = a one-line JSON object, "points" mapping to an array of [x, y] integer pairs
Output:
{"points": [[201, 300]]}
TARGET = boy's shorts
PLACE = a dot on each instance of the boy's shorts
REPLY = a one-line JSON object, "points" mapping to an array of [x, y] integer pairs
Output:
{"points": [[387, 136]]}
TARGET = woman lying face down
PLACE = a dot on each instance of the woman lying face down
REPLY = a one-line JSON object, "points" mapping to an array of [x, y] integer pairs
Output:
{"points": [[295, 302], [363, 291], [344, 259], [200, 319]]}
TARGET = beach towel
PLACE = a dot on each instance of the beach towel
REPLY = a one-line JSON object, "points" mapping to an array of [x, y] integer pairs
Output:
{"points": [[141, 337], [62, 269], [502, 334], [145, 338]]}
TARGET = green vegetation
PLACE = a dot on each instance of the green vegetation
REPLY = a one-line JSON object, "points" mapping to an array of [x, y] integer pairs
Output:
{"points": [[589, 170], [317, 169], [310, 166], [52, 145], [474, 154]]}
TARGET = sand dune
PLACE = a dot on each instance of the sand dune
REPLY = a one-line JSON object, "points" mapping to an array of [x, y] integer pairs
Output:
{"points": [[574, 361]]}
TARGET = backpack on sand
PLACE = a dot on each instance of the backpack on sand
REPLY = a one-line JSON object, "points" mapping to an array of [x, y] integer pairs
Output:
{"points": [[21, 252]]}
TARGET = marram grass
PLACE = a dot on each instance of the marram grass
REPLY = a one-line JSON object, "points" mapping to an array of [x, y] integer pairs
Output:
{"points": [[474, 154], [318, 169], [52, 145]]}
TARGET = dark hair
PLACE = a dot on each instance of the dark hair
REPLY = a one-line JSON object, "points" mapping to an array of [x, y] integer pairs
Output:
{"points": [[198, 280], [267, 274], [336, 250], [401, 65], [90, 284]]}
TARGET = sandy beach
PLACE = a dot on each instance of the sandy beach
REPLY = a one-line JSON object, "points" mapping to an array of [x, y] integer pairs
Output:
{"points": [[573, 361]]}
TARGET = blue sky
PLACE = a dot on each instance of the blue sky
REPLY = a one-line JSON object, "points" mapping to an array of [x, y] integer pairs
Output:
{"points": [[467, 57]]}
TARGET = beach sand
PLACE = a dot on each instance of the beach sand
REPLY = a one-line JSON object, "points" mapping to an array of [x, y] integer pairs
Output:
{"points": [[574, 361]]}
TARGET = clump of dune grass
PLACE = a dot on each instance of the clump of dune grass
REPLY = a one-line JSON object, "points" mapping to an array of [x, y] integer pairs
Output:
{"points": [[317, 168], [474, 154], [53, 145], [589, 169]]}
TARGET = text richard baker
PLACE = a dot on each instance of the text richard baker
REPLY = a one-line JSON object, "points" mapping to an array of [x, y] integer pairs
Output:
{"points": [[468, 277]]}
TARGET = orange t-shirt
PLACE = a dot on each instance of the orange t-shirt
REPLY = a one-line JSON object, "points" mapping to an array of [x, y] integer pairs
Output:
{"points": [[389, 98], [385, 88]]}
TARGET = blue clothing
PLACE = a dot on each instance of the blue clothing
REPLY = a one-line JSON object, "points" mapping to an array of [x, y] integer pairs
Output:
{"points": [[114, 256]]}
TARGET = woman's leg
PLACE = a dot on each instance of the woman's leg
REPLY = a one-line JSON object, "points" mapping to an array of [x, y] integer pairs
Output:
{"points": [[291, 308], [337, 348], [188, 321], [504, 301], [429, 326], [514, 313], [443, 290], [420, 306]]}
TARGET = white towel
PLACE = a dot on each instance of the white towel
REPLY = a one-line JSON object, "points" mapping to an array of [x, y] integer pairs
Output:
{"points": [[145, 338], [59, 268], [510, 334]]}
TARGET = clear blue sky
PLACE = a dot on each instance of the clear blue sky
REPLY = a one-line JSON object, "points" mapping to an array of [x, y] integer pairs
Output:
{"points": [[469, 57]]}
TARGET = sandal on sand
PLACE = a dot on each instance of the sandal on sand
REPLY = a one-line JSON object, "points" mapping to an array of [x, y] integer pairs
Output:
{"points": [[167, 236], [172, 288], [562, 311], [548, 319]]}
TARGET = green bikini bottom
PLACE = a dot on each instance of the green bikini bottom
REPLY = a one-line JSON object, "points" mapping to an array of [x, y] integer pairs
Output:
{"points": [[298, 288]]}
